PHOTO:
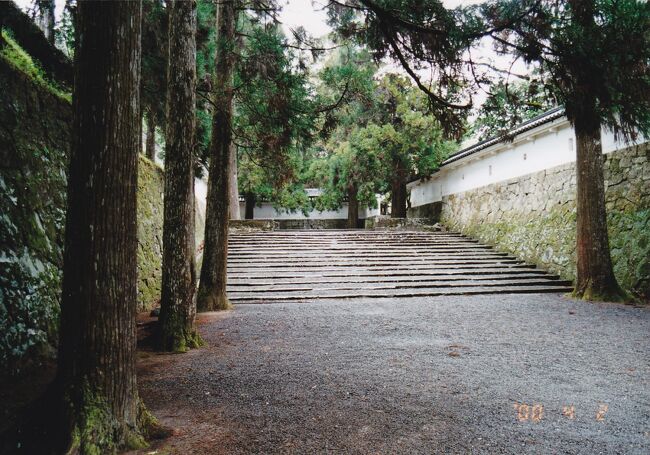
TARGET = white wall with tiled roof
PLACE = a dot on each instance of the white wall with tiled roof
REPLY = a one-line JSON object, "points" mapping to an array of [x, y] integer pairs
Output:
{"points": [[546, 146]]}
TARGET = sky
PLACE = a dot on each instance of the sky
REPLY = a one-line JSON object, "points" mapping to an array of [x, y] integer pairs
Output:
{"points": [[311, 15], [306, 13]]}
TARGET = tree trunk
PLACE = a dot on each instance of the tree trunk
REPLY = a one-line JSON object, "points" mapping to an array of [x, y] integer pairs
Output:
{"points": [[93, 405], [595, 278], [150, 145], [233, 190], [250, 205], [353, 207], [178, 307], [212, 294], [398, 192]]}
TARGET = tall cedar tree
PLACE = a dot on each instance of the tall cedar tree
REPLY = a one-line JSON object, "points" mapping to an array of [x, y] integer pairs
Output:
{"points": [[212, 294], [153, 84], [353, 205], [598, 54], [595, 275], [178, 306], [93, 405], [150, 142], [96, 364], [233, 187]]}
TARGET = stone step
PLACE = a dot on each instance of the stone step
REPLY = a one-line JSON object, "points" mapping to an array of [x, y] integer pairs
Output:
{"points": [[333, 286], [358, 248], [401, 238], [358, 245], [357, 294], [397, 270], [401, 265], [339, 233], [252, 259], [243, 283], [281, 266], [343, 274]]}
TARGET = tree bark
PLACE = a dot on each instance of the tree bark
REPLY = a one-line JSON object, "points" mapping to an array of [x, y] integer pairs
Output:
{"points": [[353, 206], [250, 205], [595, 278], [398, 192], [150, 144], [177, 331], [93, 405], [233, 188], [212, 294]]}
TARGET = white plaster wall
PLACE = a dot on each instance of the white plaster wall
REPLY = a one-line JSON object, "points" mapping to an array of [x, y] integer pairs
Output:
{"points": [[266, 211], [546, 147], [365, 212]]}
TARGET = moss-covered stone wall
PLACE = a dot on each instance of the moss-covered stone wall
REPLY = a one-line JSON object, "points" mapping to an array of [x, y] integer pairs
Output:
{"points": [[34, 144], [534, 217], [150, 228], [35, 128]]}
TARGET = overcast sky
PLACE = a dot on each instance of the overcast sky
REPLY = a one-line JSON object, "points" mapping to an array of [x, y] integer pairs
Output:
{"points": [[306, 13], [311, 15]]}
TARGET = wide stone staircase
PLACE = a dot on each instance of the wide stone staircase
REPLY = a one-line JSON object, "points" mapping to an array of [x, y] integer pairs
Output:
{"points": [[281, 266]]}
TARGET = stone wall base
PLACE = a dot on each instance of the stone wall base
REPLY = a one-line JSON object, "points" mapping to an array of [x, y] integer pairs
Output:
{"points": [[431, 211], [534, 217], [386, 222]]}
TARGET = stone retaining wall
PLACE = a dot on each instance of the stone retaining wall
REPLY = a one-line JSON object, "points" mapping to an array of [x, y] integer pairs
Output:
{"points": [[430, 211], [313, 224], [534, 217]]}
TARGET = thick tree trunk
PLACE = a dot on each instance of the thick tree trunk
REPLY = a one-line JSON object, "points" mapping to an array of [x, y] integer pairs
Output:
{"points": [[212, 294], [233, 188], [398, 192], [250, 205], [150, 144], [178, 306], [93, 405], [595, 278], [353, 207]]}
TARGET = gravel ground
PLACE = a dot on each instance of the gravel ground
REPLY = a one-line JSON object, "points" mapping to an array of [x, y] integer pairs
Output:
{"points": [[475, 374]]}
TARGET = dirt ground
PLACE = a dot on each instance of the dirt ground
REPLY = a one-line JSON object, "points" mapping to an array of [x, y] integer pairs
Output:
{"points": [[476, 374]]}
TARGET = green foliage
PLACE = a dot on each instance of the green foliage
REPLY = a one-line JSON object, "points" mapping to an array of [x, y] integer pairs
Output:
{"points": [[597, 52], [509, 105], [64, 31], [417, 35], [384, 135], [14, 55], [274, 107], [276, 112], [153, 81]]}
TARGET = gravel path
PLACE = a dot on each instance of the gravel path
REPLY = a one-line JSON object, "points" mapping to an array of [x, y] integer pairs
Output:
{"points": [[474, 374]]}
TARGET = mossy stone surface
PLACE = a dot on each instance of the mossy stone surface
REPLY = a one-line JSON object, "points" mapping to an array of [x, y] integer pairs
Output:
{"points": [[35, 136], [534, 217]]}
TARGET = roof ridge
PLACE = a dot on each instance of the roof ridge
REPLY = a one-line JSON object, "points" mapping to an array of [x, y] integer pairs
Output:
{"points": [[544, 117]]}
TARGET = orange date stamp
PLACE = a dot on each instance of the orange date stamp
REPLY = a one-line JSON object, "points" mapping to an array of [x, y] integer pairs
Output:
{"points": [[535, 412]]}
